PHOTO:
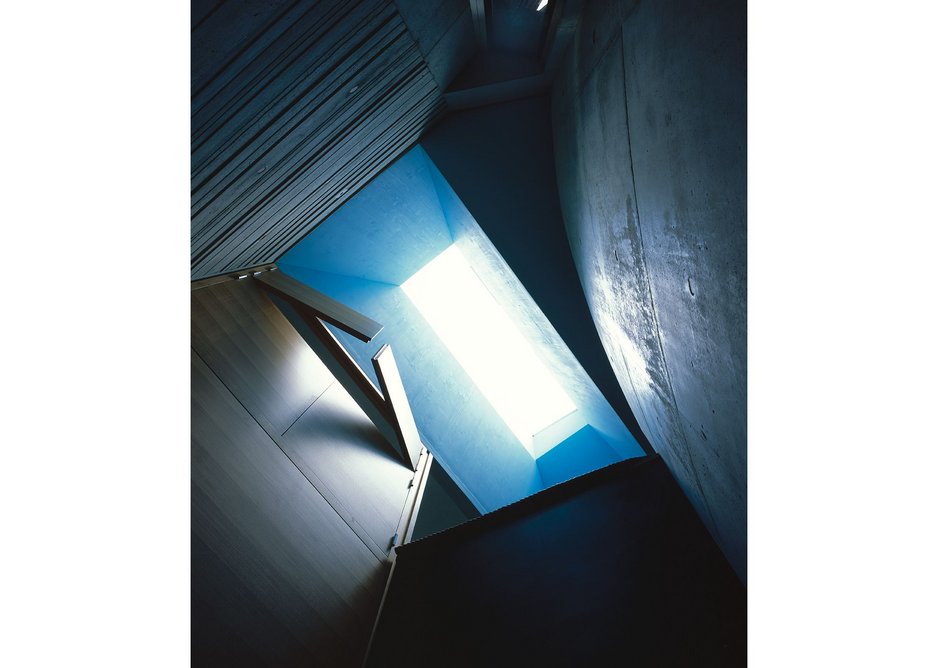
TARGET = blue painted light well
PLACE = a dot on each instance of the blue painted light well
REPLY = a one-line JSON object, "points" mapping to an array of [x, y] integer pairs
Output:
{"points": [[384, 235]]}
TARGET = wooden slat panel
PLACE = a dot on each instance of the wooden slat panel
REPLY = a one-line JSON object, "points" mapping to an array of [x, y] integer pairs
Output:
{"points": [[329, 192], [293, 113], [226, 147], [290, 200], [325, 307], [361, 168], [245, 80], [257, 353], [229, 32], [276, 573]]}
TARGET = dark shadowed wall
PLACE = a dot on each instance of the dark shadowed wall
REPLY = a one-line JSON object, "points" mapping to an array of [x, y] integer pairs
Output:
{"points": [[649, 114], [443, 505], [611, 569]]}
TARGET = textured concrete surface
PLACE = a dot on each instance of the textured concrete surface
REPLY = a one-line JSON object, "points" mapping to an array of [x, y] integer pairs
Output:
{"points": [[649, 114]]}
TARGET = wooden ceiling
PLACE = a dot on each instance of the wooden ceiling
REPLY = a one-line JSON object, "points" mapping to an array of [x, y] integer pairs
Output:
{"points": [[295, 107]]}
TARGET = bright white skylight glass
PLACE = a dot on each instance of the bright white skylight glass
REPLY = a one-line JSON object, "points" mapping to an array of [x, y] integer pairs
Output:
{"points": [[488, 345]]}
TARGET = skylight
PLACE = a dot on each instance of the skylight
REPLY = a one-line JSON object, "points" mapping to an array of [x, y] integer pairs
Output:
{"points": [[488, 345]]}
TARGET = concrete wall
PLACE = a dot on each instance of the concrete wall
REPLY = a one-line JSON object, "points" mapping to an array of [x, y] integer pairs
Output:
{"points": [[649, 125]]}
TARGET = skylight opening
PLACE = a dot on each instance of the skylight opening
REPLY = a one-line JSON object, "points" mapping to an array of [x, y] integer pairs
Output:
{"points": [[488, 345]]}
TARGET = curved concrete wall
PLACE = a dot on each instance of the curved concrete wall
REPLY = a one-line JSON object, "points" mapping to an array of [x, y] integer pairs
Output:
{"points": [[649, 114]]}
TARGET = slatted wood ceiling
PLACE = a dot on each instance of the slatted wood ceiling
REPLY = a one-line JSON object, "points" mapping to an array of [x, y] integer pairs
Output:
{"points": [[295, 107]]}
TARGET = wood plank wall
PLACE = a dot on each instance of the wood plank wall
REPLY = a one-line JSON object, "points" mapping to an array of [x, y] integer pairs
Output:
{"points": [[295, 107], [295, 494]]}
